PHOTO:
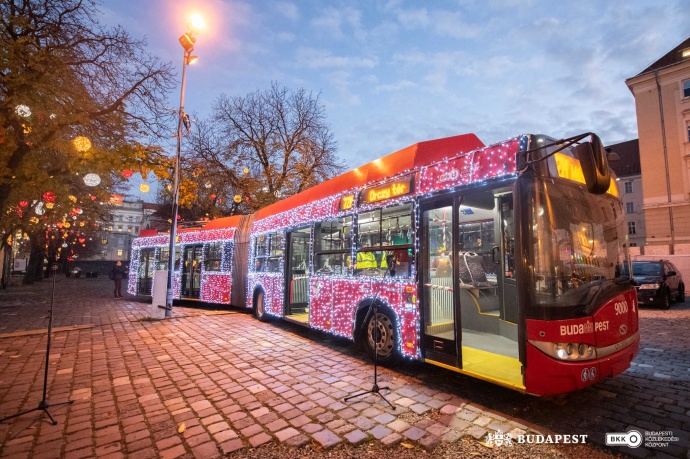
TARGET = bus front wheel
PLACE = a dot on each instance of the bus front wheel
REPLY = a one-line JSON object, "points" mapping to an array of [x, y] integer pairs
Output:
{"points": [[380, 333]]}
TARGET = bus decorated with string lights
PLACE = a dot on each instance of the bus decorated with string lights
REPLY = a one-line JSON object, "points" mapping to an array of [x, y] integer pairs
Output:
{"points": [[502, 262]]}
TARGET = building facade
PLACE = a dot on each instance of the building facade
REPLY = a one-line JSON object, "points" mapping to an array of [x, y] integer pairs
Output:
{"points": [[662, 102], [629, 176]]}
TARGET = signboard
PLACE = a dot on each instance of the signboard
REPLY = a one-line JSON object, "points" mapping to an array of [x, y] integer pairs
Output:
{"points": [[394, 189], [346, 202]]}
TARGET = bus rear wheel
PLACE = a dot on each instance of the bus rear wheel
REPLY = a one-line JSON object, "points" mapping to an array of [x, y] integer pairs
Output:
{"points": [[381, 334], [260, 306]]}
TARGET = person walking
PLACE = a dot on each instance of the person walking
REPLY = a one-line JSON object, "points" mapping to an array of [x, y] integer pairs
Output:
{"points": [[118, 275]]}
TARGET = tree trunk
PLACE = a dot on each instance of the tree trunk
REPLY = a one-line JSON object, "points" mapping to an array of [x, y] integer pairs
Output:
{"points": [[34, 269]]}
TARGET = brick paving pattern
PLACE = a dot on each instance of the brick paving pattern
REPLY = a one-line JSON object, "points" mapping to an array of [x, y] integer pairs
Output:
{"points": [[207, 383]]}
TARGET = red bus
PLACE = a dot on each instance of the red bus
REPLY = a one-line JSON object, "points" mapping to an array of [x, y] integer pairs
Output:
{"points": [[502, 262]]}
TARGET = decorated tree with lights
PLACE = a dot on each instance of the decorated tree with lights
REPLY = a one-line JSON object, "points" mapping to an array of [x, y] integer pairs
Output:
{"points": [[264, 146], [80, 104]]}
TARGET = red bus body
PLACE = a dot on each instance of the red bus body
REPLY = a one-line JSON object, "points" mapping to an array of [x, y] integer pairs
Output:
{"points": [[508, 318]]}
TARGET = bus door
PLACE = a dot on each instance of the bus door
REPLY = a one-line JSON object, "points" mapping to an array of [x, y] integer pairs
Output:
{"points": [[297, 275], [440, 329], [487, 287], [146, 269], [191, 271]]}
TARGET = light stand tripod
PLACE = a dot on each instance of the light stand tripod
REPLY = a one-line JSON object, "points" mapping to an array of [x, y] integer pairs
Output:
{"points": [[43, 404], [374, 307]]}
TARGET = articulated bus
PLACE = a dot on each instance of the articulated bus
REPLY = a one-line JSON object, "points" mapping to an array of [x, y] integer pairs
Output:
{"points": [[503, 262]]}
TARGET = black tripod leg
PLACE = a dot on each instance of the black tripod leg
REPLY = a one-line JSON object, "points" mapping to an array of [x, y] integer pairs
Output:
{"points": [[20, 414]]}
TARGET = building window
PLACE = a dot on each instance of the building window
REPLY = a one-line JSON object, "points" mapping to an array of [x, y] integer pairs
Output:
{"points": [[633, 244], [119, 252], [136, 229], [631, 227], [686, 88], [628, 187], [629, 207], [104, 241], [688, 126], [129, 229], [119, 228], [130, 219]]}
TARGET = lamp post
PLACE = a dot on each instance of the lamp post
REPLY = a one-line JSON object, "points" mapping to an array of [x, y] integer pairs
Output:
{"points": [[187, 41]]}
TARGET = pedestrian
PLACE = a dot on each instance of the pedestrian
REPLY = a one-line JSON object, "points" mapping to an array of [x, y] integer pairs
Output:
{"points": [[118, 275]]}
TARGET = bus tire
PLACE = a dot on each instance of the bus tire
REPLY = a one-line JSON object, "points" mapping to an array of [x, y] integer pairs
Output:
{"points": [[666, 299], [382, 329], [260, 305]]}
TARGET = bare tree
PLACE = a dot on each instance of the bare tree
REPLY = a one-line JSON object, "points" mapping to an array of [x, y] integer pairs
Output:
{"points": [[268, 144]]}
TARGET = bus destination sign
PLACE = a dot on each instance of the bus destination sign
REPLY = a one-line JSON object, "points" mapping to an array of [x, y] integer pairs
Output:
{"points": [[394, 189]]}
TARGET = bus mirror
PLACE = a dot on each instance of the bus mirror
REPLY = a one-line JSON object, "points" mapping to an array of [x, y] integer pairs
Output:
{"points": [[595, 168]]}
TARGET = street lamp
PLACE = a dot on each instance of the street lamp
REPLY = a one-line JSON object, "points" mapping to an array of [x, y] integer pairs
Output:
{"points": [[187, 41]]}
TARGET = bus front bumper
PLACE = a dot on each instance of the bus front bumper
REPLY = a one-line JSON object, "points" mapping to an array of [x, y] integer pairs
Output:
{"points": [[547, 376]]}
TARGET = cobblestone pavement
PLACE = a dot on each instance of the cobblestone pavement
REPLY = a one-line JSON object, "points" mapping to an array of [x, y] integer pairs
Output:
{"points": [[214, 382]]}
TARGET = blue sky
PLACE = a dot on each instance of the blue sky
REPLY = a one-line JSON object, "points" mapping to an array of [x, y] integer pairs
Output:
{"points": [[392, 73]]}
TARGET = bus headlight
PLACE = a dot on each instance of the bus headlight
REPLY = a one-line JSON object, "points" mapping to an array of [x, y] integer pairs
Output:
{"points": [[567, 351], [649, 286]]}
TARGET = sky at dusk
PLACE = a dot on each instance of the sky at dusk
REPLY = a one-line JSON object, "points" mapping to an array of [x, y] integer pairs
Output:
{"points": [[393, 73]]}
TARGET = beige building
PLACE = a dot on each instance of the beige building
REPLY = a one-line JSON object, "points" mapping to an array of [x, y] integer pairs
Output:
{"points": [[662, 102]]}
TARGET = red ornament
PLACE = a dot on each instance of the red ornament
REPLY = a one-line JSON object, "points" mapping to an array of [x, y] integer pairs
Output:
{"points": [[49, 196], [23, 203], [126, 173], [82, 240], [93, 198], [213, 196]]}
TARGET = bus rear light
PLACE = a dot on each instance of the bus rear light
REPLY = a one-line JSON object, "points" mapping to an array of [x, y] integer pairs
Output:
{"points": [[566, 351]]}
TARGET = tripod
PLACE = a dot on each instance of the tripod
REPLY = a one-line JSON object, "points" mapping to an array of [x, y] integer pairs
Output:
{"points": [[43, 404], [373, 307]]}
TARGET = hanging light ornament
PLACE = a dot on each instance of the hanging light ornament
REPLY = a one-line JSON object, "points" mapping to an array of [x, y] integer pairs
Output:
{"points": [[92, 179], [144, 188], [23, 203], [207, 185], [49, 196], [127, 173], [23, 111], [72, 198], [93, 198], [82, 144], [49, 205]]}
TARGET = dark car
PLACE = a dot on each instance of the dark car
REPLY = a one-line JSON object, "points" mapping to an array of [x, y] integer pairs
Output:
{"points": [[657, 283]]}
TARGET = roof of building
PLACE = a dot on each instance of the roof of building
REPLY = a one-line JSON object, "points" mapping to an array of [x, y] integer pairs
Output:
{"points": [[672, 57], [629, 163]]}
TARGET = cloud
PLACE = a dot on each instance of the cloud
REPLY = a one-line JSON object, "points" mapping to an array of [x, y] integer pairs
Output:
{"points": [[394, 87], [333, 21], [320, 58], [287, 9]]}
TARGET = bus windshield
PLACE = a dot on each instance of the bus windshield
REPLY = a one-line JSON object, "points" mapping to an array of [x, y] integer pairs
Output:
{"points": [[575, 243]]}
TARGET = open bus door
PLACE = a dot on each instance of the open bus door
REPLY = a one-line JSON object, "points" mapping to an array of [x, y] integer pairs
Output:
{"points": [[297, 275], [468, 286]]}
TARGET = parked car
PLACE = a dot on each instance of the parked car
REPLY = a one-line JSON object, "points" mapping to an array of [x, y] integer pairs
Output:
{"points": [[658, 283]]}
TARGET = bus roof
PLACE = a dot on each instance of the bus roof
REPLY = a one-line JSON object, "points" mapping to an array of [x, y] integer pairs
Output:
{"points": [[409, 158]]}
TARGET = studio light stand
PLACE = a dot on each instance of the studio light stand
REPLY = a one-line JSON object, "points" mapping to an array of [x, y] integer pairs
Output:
{"points": [[373, 307], [43, 404]]}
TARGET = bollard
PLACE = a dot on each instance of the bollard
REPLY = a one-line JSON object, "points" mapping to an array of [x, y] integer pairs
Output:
{"points": [[160, 290]]}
